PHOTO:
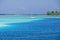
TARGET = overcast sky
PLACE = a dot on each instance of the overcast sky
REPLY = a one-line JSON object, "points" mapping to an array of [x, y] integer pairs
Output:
{"points": [[28, 6]]}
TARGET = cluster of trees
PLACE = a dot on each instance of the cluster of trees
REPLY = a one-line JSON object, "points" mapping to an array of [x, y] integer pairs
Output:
{"points": [[53, 13]]}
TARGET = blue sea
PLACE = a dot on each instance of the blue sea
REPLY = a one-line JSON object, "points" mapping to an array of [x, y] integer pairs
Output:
{"points": [[17, 27]]}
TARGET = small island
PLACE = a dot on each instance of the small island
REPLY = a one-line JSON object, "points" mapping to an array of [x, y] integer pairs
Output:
{"points": [[53, 13]]}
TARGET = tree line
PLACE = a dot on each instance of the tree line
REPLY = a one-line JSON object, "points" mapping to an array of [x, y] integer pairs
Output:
{"points": [[53, 13]]}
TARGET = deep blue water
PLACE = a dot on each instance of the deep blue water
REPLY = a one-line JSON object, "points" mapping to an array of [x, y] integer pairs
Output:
{"points": [[47, 29]]}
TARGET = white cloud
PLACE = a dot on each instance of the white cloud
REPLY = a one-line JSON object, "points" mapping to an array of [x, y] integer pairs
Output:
{"points": [[22, 8]]}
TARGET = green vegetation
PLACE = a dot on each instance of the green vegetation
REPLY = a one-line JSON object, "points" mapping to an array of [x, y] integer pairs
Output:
{"points": [[53, 13]]}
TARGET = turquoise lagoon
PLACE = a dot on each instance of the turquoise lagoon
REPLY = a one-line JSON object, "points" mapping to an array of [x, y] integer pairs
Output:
{"points": [[18, 27]]}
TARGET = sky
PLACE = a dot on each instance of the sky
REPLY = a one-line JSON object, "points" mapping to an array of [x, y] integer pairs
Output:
{"points": [[28, 6]]}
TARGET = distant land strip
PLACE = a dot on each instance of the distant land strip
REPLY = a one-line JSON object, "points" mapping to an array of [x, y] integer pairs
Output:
{"points": [[22, 14]]}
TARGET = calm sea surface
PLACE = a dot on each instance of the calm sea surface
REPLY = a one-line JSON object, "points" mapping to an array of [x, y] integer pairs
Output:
{"points": [[16, 27]]}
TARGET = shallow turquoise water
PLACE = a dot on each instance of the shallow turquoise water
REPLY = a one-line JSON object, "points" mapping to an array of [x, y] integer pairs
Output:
{"points": [[30, 27]]}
